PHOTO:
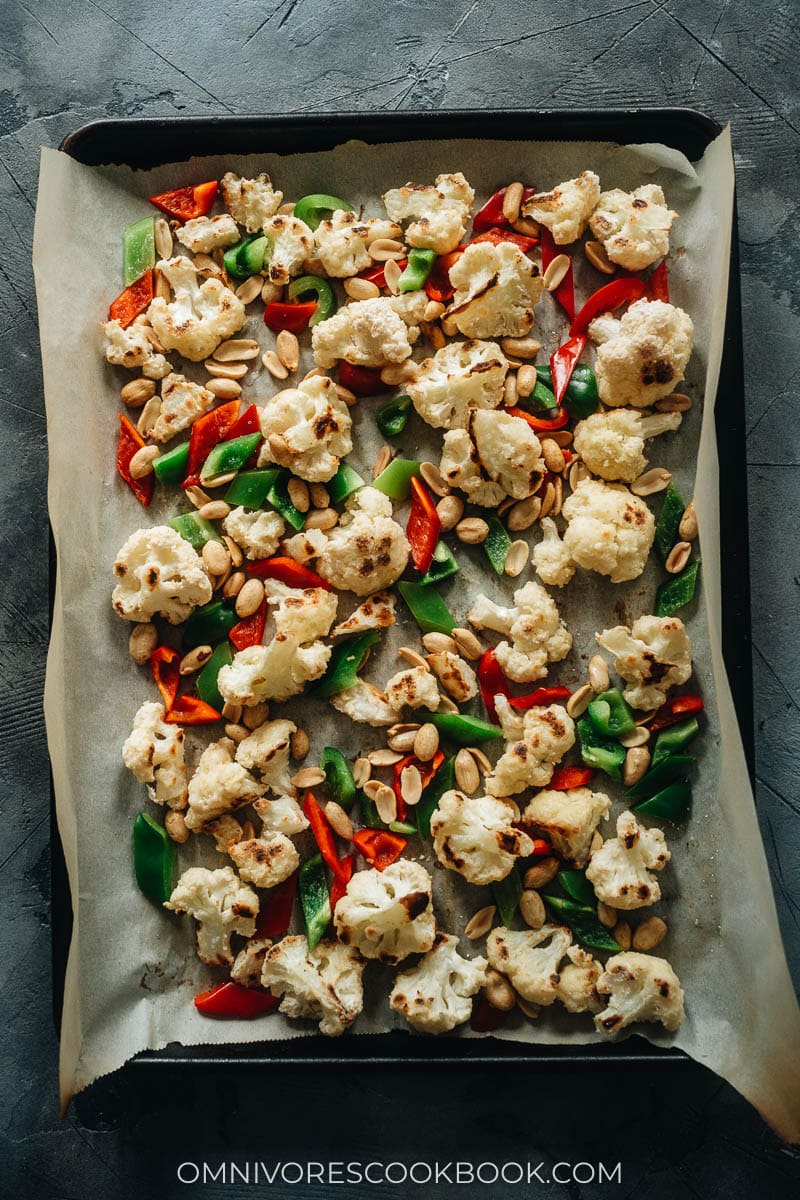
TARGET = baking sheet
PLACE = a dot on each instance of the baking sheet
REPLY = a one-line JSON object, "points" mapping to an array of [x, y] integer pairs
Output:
{"points": [[132, 972]]}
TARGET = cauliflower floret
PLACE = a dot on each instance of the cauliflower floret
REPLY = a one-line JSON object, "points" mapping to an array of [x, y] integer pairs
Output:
{"points": [[611, 444], [131, 347], [249, 962], [388, 914], [291, 242], [219, 784], [461, 376], [435, 995], [201, 235], [653, 656], [304, 546], [568, 819], [323, 984], [640, 987], [221, 905], [496, 290], [343, 241], [412, 688], [367, 550], [577, 988], [223, 830], [497, 455], [370, 333], [159, 574], [306, 429], [475, 836], [182, 402], [376, 612], [281, 815], [267, 750], [535, 743], [610, 530], [250, 201], [266, 862], [455, 675], [551, 558], [440, 213], [537, 633], [530, 960], [365, 703], [643, 355], [256, 531], [153, 750], [633, 226], [199, 316], [566, 209], [619, 871]]}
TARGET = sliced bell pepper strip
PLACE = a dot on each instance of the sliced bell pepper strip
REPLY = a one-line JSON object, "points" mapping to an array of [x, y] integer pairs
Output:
{"points": [[676, 592], [194, 529], [191, 710], [312, 285], [247, 423], [563, 362], [294, 317], [164, 667], [395, 480], [566, 778], [318, 207], [377, 274], [675, 710], [542, 424], [171, 467], [492, 681], [129, 442], [658, 283], [231, 1000], [485, 1018], [669, 519], [186, 203], [600, 752], [287, 571], [608, 298], [496, 236], [415, 276], [581, 398], [250, 630], [344, 483], [670, 770], [250, 488], [577, 887], [443, 565], [393, 417], [491, 214], [424, 525], [565, 292], [230, 455], [402, 827], [443, 781], [207, 686], [497, 543], [275, 913], [338, 777], [670, 740], [207, 430], [209, 624], [153, 858], [278, 497], [340, 881], [610, 715], [314, 899], [541, 696], [506, 893], [361, 381], [323, 834], [671, 804], [427, 607], [379, 847], [346, 660], [583, 922], [247, 257], [438, 285], [138, 250], [462, 728], [133, 301]]}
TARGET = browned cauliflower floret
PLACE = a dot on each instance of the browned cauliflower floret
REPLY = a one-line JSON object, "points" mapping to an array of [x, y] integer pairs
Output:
{"points": [[160, 575], [306, 429], [633, 226], [438, 214], [376, 612], [568, 819], [566, 209], [387, 914], [370, 333], [530, 960], [219, 784], [535, 742], [323, 984], [266, 862], [199, 316], [290, 243], [412, 688], [653, 656], [476, 836], [497, 455], [496, 290], [221, 905], [577, 987], [537, 634], [620, 870], [461, 376], [182, 402], [367, 550], [250, 201], [640, 987], [642, 357], [435, 995], [610, 530], [153, 751], [201, 235], [343, 242], [133, 346], [366, 704], [611, 444]]}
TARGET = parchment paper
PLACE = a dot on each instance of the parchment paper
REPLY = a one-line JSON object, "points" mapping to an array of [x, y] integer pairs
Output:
{"points": [[132, 969]]}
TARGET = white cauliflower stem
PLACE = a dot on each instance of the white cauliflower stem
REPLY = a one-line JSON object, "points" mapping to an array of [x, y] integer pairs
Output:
{"points": [[474, 836], [306, 429], [633, 226], [387, 914], [367, 550], [538, 635], [611, 444], [640, 987], [438, 214], [376, 612], [610, 530], [568, 819], [566, 209], [620, 870], [199, 316], [496, 290], [535, 743], [153, 751], [435, 995], [653, 656], [159, 574], [323, 984], [497, 455], [530, 960], [642, 357], [221, 905], [219, 784], [412, 688], [461, 376], [551, 558]]}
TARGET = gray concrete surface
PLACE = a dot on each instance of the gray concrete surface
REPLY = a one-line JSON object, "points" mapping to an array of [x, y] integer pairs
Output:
{"points": [[679, 1133]]}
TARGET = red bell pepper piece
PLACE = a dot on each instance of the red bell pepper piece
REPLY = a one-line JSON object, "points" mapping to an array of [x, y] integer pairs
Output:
{"points": [[424, 525], [485, 1018], [248, 422], [438, 285], [566, 778], [275, 914], [232, 1000], [658, 283], [565, 292], [377, 274], [541, 424], [191, 710], [361, 381], [294, 317], [129, 442], [611, 296], [186, 203], [563, 362], [287, 571], [542, 695], [250, 630], [165, 669], [214, 427], [323, 835], [675, 710], [133, 301], [491, 215], [427, 770], [496, 236], [492, 681], [340, 882], [379, 847]]}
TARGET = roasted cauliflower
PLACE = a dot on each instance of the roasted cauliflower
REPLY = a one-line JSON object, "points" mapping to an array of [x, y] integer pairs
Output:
{"points": [[530, 960], [610, 530], [291, 242], [496, 290], [565, 210], [323, 984], [367, 550], [412, 688], [307, 429], [221, 905], [256, 531], [370, 333], [475, 836], [133, 346], [438, 214], [611, 444], [199, 316], [538, 635], [568, 819], [497, 455], [343, 242], [436, 995], [620, 870], [633, 226], [387, 914], [154, 752], [182, 402], [251, 202], [458, 378], [535, 742], [267, 750], [201, 235], [219, 784], [640, 987], [160, 575], [376, 612], [641, 358], [266, 862], [366, 704], [652, 656]]}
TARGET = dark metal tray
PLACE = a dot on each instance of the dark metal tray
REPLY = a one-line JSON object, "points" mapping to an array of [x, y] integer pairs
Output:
{"points": [[151, 141]]}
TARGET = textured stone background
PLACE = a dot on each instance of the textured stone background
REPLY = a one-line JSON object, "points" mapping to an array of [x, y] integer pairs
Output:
{"points": [[679, 1131]]}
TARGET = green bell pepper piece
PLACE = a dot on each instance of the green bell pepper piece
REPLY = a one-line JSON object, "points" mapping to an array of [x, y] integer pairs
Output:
{"points": [[319, 207], [542, 398], [443, 565], [229, 456], [313, 285], [581, 398], [577, 887], [402, 827], [393, 417], [600, 752], [278, 497], [207, 686], [338, 777], [314, 899], [443, 781], [610, 715], [346, 660], [209, 624], [463, 729], [247, 257], [669, 770], [395, 480], [153, 858], [678, 591], [138, 250], [171, 467], [668, 521], [583, 922], [671, 804], [427, 608], [670, 740], [506, 894], [497, 543], [251, 488], [344, 483], [194, 529], [415, 276], [369, 812]]}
